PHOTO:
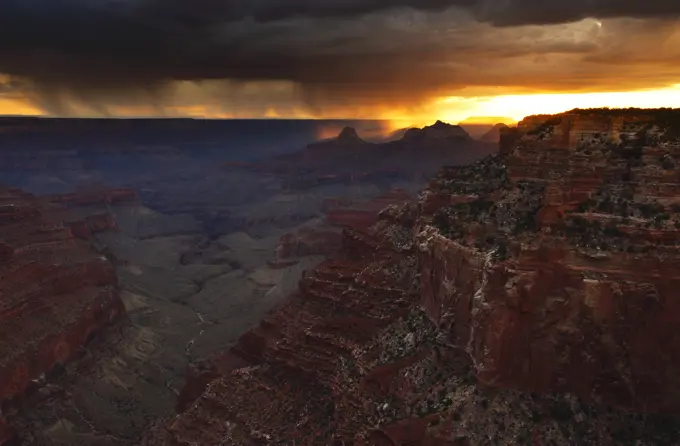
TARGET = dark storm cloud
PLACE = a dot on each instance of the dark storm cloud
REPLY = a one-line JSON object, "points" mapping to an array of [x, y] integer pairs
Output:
{"points": [[267, 10], [337, 50], [521, 12], [10, 88], [213, 38], [497, 11], [5, 88]]}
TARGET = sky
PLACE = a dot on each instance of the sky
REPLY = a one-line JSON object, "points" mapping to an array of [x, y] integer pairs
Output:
{"points": [[407, 61]]}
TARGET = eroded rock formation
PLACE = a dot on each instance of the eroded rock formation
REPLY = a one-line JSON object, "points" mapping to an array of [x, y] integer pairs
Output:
{"points": [[361, 216], [564, 278], [348, 158], [521, 300], [326, 238], [439, 131], [56, 293]]}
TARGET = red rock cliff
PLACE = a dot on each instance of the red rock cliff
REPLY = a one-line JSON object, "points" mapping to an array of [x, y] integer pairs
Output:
{"points": [[55, 293], [544, 284]]}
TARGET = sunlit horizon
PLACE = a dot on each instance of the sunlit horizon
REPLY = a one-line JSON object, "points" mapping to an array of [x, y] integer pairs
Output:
{"points": [[518, 107], [478, 110]]}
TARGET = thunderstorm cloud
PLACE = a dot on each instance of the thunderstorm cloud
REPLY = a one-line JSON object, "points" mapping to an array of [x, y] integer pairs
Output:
{"points": [[331, 53]]}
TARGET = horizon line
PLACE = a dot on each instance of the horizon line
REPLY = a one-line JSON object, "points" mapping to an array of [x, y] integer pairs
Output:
{"points": [[197, 118]]}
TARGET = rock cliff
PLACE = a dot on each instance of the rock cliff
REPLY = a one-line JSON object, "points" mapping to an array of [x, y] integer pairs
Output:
{"points": [[525, 299], [56, 294], [565, 259], [325, 238]]}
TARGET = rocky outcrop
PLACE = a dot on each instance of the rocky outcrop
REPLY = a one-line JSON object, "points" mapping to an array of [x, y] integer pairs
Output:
{"points": [[56, 293], [347, 139], [524, 299], [307, 242], [507, 139], [326, 238], [560, 277], [93, 224], [601, 127], [361, 216], [349, 135], [494, 134]]}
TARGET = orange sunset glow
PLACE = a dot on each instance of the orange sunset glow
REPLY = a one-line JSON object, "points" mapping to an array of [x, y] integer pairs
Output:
{"points": [[508, 108]]}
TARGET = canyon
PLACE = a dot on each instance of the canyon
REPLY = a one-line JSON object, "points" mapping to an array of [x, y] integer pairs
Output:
{"points": [[192, 265], [432, 290], [527, 298]]}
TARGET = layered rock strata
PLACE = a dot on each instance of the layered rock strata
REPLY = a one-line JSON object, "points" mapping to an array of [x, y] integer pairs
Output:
{"points": [[56, 293], [297, 352], [525, 299], [566, 265], [326, 239]]}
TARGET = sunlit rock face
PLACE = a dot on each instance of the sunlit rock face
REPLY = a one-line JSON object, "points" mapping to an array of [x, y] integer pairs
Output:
{"points": [[525, 299], [56, 292], [599, 127]]}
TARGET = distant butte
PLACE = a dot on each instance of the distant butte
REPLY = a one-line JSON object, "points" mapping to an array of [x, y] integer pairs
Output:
{"points": [[348, 138], [348, 157], [438, 131], [349, 135]]}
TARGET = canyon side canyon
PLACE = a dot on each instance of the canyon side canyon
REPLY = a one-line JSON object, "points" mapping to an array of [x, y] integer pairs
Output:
{"points": [[524, 294]]}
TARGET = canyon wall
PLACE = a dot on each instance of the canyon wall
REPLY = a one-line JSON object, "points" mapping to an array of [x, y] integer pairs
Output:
{"points": [[565, 281], [56, 293], [598, 127], [297, 362]]}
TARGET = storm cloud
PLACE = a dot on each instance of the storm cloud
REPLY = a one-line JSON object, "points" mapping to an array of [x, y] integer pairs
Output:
{"points": [[336, 53]]}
